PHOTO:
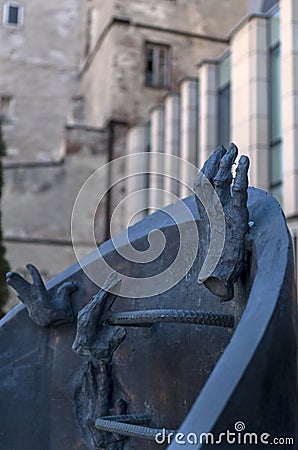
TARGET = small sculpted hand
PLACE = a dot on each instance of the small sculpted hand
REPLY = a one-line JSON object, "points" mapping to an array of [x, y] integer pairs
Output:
{"points": [[227, 204], [45, 308], [95, 337]]}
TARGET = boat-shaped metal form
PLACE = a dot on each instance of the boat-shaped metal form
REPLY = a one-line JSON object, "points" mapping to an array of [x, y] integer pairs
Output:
{"points": [[228, 384]]}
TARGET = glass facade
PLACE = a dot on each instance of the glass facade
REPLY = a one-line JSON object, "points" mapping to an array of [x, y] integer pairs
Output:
{"points": [[275, 130], [224, 102], [295, 245]]}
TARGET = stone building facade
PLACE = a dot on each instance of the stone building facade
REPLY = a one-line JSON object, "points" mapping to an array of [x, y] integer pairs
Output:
{"points": [[136, 50], [39, 52], [247, 95], [135, 53]]}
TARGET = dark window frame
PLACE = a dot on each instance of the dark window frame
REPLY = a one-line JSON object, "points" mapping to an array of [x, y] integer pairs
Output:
{"points": [[13, 19], [6, 114], [159, 75], [275, 185], [78, 109]]}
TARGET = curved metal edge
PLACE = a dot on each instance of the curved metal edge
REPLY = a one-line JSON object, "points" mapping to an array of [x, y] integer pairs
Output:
{"points": [[236, 389]]}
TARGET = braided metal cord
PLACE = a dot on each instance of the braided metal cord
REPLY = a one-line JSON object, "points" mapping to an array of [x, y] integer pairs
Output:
{"points": [[135, 318], [136, 419], [130, 430]]}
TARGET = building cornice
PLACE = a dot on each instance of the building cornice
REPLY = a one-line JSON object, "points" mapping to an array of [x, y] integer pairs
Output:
{"points": [[156, 107], [182, 33], [120, 20], [188, 78], [88, 61], [247, 18], [79, 126], [211, 61]]}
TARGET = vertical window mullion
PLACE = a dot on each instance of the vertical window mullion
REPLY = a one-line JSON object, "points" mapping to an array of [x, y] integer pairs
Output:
{"points": [[295, 245], [275, 129], [224, 107], [155, 66], [167, 68]]}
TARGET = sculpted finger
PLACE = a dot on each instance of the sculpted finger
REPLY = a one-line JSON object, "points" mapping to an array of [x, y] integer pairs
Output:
{"points": [[223, 178], [241, 182], [204, 183], [211, 166], [19, 284], [67, 288], [36, 277], [100, 304], [239, 208], [88, 322], [108, 340]]}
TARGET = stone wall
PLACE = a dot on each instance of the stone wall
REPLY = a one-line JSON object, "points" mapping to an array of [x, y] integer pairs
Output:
{"points": [[39, 61], [112, 76]]}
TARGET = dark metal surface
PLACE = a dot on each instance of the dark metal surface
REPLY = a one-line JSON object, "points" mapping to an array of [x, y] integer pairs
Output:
{"points": [[249, 378], [147, 369], [41, 375], [96, 395], [255, 381]]}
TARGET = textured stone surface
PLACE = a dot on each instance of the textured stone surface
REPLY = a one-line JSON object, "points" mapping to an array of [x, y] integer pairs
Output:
{"points": [[39, 61]]}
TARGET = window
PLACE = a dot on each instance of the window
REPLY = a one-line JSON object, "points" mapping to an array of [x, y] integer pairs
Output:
{"points": [[275, 130], [6, 108], [77, 110], [157, 65], [224, 103], [13, 14]]}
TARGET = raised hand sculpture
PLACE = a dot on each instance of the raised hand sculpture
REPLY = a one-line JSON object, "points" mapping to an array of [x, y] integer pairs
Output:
{"points": [[215, 182], [45, 308]]}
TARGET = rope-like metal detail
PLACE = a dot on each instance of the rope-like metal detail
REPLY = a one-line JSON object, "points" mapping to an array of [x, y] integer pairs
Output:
{"points": [[127, 429], [147, 318], [135, 419]]}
